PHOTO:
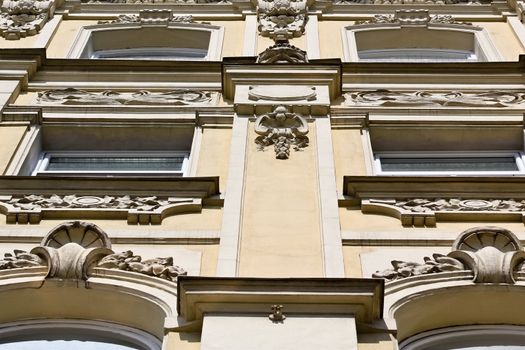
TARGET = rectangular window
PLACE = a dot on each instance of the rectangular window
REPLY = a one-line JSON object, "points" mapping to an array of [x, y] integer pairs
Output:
{"points": [[450, 163], [112, 163]]}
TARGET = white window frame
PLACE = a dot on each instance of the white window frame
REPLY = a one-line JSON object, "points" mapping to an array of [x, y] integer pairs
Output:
{"points": [[519, 157], [152, 53], [413, 55], [484, 48], [41, 166]]}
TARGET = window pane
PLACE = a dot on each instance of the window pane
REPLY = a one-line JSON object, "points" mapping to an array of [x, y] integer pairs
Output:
{"points": [[62, 345], [449, 164], [416, 55], [115, 163], [152, 53]]}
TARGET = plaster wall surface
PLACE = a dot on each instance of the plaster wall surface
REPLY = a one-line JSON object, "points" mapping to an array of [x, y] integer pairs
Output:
{"points": [[213, 155], [280, 225], [349, 155], [504, 39], [10, 138]]}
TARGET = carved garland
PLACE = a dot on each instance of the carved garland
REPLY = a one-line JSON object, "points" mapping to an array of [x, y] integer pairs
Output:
{"points": [[420, 212], [493, 254], [282, 129], [411, 17], [23, 18], [71, 251], [71, 96], [388, 98], [137, 210]]}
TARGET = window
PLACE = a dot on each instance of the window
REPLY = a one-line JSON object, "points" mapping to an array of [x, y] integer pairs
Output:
{"points": [[449, 163], [74, 334], [153, 53], [112, 163], [417, 55]]}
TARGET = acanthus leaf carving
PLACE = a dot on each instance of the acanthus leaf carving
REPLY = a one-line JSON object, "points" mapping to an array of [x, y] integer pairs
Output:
{"points": [[23, 18], [282, 19], [282, 129], [411, 17], [151, 17], [411, 2], [137, 209], [72, 96], [493, 254], [388, 98], [155, 1], [72, 249]]}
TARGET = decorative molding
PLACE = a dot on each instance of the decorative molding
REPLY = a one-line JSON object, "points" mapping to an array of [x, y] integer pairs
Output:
{"points": [[282, 93], [73, 248], [23, 18], [410, 2], [282, 52], [151, 17], [388, 98], [136, 209], [282, 19], [411, 17], [282, 129], [139, 2], [420, 212], [72, 96], [492, 253]]}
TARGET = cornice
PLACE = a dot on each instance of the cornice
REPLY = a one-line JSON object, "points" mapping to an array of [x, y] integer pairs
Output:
{"points": [[361, 298]]}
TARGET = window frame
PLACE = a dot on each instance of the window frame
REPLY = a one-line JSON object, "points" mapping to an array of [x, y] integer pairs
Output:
{"points": [[41, 166], [519, 158]]}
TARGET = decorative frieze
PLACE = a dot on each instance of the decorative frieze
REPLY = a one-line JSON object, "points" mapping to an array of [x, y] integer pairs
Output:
{"points": [[282, 52], [155, 1], [72, 96], [282, 129], [151, 17], [411, 2], [136, 209], [389, 98], [23, 18], [493, 254], [282, 19], [72, 249], [411, 17]]}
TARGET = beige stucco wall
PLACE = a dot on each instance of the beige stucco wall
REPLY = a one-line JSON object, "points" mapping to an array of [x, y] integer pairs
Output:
{"points": [[375, 341], [182, 341], [331, 39], [214, 154], [68, 30], [349, 154], [504, 39], [20, 43], [10, 137], [280, 225]]}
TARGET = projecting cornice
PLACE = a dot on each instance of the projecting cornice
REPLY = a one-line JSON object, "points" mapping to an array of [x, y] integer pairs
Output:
{"points": [[360, 297]]}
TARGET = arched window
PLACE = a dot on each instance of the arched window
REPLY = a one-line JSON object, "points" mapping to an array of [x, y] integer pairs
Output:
{"points": [[415, 36]]}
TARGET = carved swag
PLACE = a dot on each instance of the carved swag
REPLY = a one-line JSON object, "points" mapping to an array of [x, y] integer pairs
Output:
{"points": [[281, 19], [71, 250], [493, 254], [282, 129]]}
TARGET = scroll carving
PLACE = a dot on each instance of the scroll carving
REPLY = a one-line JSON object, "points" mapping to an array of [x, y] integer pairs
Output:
{"points": [[154, 1], [422, 212], [71, 96], [23, 18], [72, 249], [388, 98], [137, 209], [158, 17], [412, 17], [282, 129], [411, 2], [281, 19], [493, 254], [282, 52]]}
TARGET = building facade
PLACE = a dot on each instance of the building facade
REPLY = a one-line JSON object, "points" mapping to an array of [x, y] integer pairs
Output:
{"points": [[244, 175]]}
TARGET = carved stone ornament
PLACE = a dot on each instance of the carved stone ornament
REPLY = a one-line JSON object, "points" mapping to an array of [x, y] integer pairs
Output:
{"points": [[411, 2], [151, 17], [71, 96], [72, 249], [388, 98], [22, 18], [422, 212], [493, 254], [282, 129], [282, 52], [412, 17], [155, 1], [136, 209], [281, 19]]}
